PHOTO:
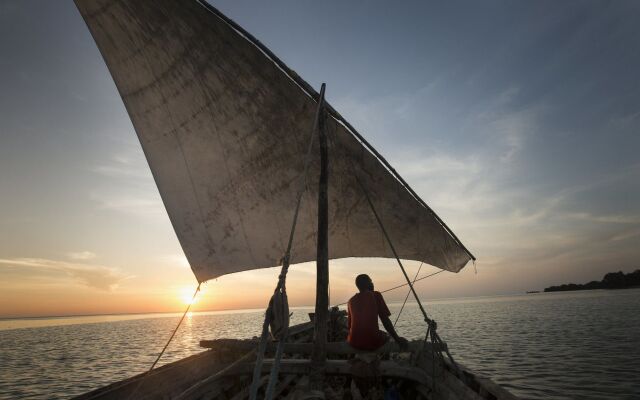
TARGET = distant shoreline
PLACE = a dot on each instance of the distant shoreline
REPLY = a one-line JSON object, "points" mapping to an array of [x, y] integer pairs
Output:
{"points": [[612, 280]]}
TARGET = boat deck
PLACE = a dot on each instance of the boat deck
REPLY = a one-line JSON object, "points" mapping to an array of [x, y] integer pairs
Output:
{"points": [[224, 372]]}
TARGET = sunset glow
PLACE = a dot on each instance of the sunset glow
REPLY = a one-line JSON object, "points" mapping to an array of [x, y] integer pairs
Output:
{"points": [[531, 160], [187, 297]]}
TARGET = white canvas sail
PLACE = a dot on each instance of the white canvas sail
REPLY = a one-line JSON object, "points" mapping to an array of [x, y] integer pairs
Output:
{"points": [[225, 127]]}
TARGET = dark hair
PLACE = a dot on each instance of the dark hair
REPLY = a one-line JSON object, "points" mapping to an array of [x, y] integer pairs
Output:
{"points": [[362, 281]]}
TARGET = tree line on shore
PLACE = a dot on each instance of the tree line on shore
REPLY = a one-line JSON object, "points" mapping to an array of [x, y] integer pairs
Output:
{"points": [[612, 280]]}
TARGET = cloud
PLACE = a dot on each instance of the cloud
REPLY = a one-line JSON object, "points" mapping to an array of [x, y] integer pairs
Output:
{"points": [[125, 165], [625, 235], [488, 187], [130, 188], [94, 276], [611, 219], [139, 206], [177, 260], [81, 255]]}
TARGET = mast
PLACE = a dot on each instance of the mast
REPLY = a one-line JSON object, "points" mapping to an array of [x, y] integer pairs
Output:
{"points": [[322, 261]]}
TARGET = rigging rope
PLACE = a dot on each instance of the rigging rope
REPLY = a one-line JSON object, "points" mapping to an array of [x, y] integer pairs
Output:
{"points": [[178, 326], [281, 286], [407, 296], [400, 286], [432, 326], [168, 341], [393, 249]]}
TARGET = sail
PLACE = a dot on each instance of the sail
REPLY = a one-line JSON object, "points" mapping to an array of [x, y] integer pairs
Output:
{"points": [[225, 127]]}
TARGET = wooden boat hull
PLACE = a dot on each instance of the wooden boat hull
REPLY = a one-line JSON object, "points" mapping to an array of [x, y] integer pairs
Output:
{"points": [[224, 371]]}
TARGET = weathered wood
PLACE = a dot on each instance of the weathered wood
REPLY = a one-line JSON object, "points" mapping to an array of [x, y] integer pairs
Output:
{"points": [[341, 367], [498, 391], [334, 348], [220, 389], [221, 373], [448, 382], [287, 381], [484, 384], [301, 385], [166, 381], [243, 393], [319, 354], [202, 387], [424, 391]]}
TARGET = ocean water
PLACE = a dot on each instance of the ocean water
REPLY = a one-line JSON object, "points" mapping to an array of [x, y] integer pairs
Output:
{"points": [[573, 345]]}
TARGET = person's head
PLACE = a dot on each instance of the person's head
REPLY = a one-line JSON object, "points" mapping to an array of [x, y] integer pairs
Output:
{"points": [[364, 283]]}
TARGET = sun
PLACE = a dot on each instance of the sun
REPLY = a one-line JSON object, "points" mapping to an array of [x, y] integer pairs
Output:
{"points": [[186, 295]]}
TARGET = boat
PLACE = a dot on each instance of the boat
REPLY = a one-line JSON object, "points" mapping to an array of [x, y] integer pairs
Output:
{"points": [[257, 170]]}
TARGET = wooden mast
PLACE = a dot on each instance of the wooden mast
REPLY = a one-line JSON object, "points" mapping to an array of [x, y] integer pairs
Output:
{"points": [[322, 261]]}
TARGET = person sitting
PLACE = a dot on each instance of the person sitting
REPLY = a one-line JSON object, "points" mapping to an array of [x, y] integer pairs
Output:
{"points": [[364, 308]]}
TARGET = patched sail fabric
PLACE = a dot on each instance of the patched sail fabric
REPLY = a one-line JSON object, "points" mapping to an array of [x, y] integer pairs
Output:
{"points": [[225, 129]]}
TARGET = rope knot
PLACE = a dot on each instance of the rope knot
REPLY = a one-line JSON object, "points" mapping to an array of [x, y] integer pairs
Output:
{"points": [[433, 325]]}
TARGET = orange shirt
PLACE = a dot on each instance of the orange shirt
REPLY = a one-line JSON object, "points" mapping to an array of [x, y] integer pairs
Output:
{"points": [[364, 310]]}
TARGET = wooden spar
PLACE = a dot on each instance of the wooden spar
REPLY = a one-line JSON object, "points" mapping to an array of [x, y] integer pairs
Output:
{"points": [[319, 355]]}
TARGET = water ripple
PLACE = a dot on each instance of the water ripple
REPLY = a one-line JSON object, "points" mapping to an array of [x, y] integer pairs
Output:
{"points": [[548, 346]]}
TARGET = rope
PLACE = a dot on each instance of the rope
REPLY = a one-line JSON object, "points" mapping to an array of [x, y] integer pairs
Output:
{"points": [[273, 376], [178, 326], [407, 296], [255, 383], [393, 250], [261, 348], [168, 341], [435, 338], [400, 286]]}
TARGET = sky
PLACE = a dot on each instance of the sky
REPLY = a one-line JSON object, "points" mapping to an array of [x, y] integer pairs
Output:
{"points": [[517, 122]]}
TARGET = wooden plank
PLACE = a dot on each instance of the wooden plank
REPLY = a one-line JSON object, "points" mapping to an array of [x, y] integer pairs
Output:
{"points": [[300, 328], [498, 391], [424, 391], [334, 348], [484, 384], [286, 382], [168, 380], [201, 387], [341, 367], [446, 380], [243, 393], [301, 385]]}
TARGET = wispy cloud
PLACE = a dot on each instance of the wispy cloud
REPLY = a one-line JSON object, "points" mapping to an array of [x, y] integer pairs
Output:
{"points": [[610, 219], [133, 191], [81, 255], [94, 276], [625, 235], [506, 129], [123, 165], [489, 188], [130, 204], [177, 260]]}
